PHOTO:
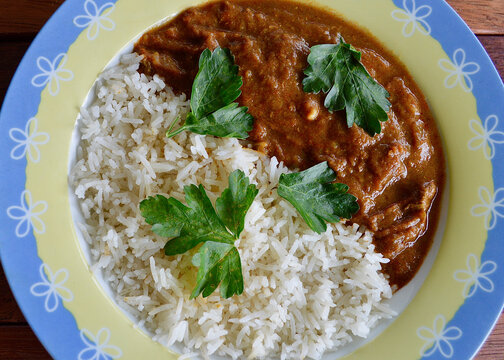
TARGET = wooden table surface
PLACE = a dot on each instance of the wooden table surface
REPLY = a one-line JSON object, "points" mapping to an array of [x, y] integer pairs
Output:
{"points": [[20, 20]]}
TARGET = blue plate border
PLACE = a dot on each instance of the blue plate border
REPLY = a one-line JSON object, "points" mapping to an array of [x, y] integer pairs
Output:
{"points": [[58, 330]]}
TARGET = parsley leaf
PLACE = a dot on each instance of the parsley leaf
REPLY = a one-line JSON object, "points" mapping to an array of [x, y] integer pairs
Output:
{"points": [[316, 197], [217, 83], [198, 222], [234, 202], [188, 225], [218, 263], [215, 87], [337, 71]]}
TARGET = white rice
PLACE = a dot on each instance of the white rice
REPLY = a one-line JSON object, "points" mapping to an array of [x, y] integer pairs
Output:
{"points": [[304, 293]]}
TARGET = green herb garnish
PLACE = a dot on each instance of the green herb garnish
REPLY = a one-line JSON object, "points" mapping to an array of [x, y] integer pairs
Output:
{"points": [[316, 197], [337, 71], [234, 202], [198, 222], [215, 87], [218, 263]]}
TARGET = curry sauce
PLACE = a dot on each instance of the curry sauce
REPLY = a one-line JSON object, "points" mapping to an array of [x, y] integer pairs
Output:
{"points": [[397, 175]]}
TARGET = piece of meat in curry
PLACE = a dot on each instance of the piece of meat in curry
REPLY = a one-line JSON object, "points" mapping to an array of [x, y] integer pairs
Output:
{"points": [[397, 175]]}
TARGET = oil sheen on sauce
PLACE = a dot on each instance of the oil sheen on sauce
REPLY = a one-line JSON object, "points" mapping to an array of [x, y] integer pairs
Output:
{"points": [[397, 175]]}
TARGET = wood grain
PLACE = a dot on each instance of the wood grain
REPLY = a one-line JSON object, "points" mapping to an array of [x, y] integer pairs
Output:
{"points": [[482, 16], [493, 348], [494, 45], [9, 310], [11, 54], [25, 16], [20, 343], [20, 20]]}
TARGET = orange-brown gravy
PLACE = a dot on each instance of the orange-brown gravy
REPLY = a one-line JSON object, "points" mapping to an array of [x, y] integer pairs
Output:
{"points": [[397, 175]]}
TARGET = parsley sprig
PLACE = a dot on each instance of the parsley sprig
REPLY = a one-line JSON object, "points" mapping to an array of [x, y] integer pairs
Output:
{"points": [[316, 197], [336, 70], [214, 89], [198, 222], [333, 68]]}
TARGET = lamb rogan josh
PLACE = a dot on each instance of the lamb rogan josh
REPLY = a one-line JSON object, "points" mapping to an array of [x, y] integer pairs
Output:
{"points": [[397, 175]]}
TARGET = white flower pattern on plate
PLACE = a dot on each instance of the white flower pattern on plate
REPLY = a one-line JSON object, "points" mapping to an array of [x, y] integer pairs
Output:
{"points": [[52, 287], [492, 206], [438, 338], [52, 73], [28, 143], [95, 18], [459, 70], [28, 215], [486, 135], [414, 18], [476, 275], [98, 348]]}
